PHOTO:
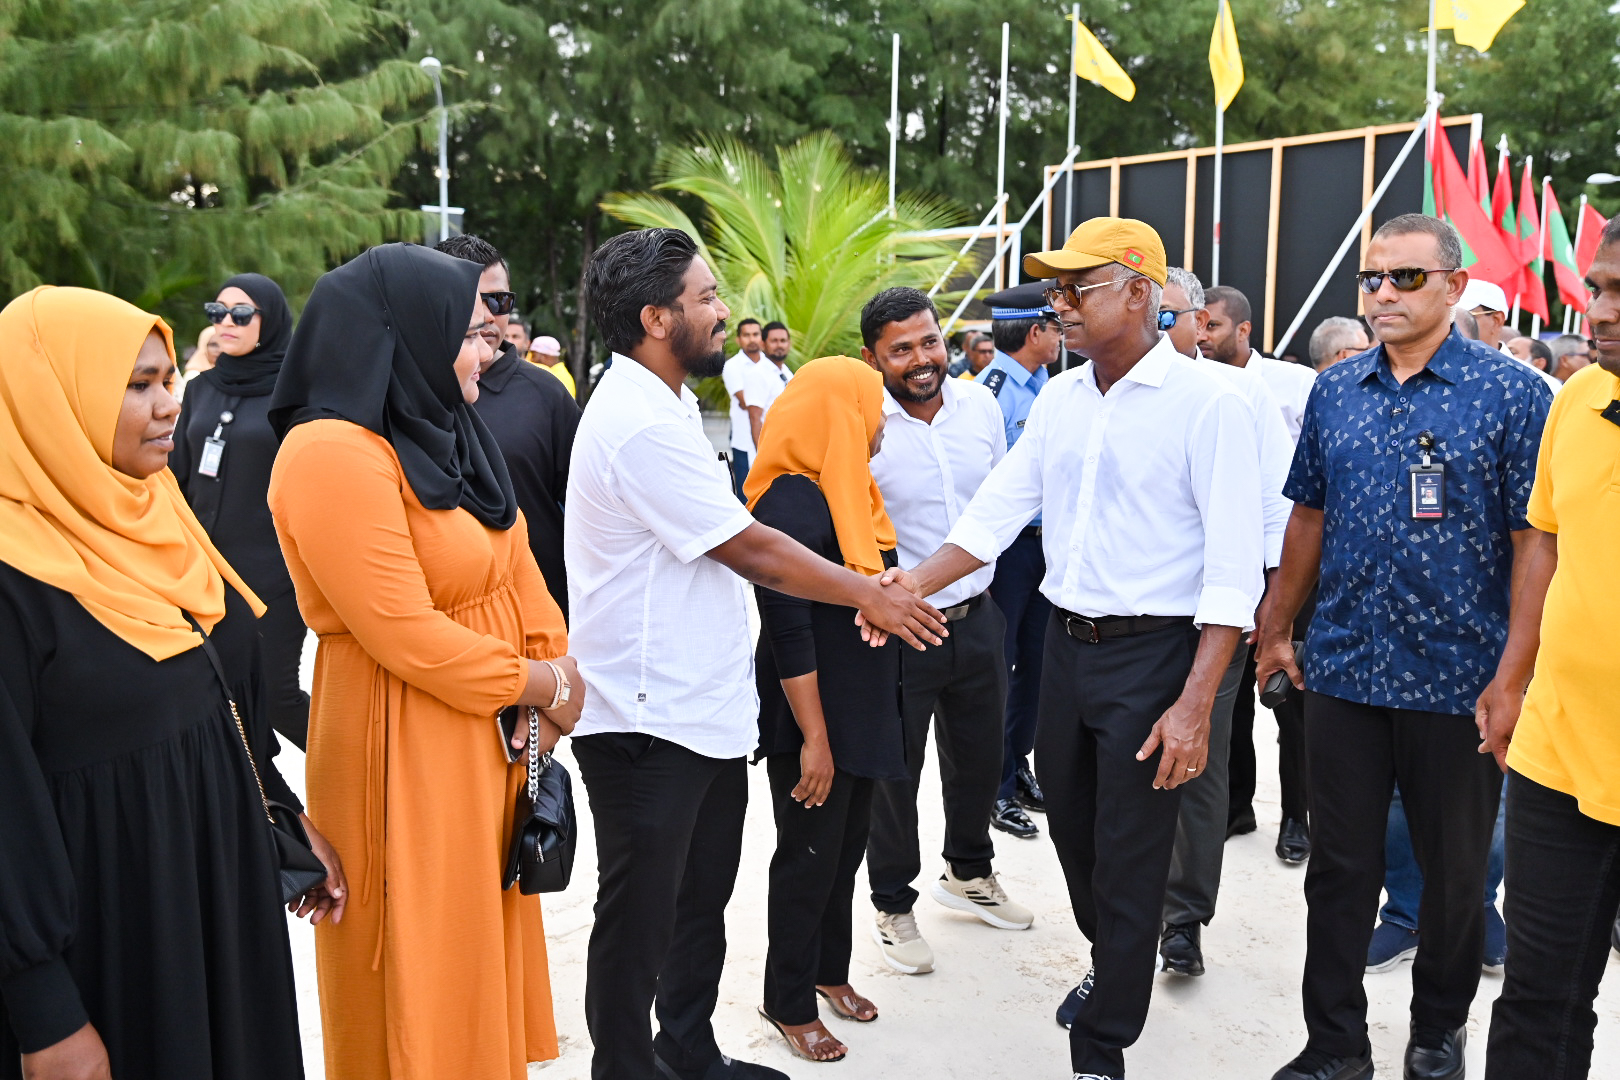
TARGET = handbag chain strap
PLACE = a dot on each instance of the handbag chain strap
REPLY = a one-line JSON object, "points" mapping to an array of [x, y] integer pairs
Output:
{"points": [[230, 699], [537, 760]]}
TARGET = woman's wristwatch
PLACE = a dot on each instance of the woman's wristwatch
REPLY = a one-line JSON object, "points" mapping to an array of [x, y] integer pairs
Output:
{"points": [[560, 696]]}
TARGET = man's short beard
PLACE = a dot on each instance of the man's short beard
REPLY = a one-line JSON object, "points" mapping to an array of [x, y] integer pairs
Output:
{"points": [[901, 390], [688, 349]]}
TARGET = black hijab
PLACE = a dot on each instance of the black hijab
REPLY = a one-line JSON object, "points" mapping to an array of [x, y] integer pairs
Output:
{"points": [[254, 375], [377, 346]]}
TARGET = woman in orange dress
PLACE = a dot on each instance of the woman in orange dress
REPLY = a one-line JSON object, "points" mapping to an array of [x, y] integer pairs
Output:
{"points": [[411, 563]]}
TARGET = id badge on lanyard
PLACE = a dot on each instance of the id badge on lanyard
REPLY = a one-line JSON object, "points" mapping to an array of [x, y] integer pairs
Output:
{"points": [[1427, 483], [213, 451]]}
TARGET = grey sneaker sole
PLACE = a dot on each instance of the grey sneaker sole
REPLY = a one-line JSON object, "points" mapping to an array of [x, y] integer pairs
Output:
{"points": [[877, 936], [957, 903], [1393, 962]]}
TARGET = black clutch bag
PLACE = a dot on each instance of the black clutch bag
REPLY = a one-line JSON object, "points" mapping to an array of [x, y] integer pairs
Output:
{"points": [[298, 867], [541, 859]]}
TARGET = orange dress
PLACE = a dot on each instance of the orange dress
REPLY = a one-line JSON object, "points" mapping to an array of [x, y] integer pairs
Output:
{"points": [[425, 619]]}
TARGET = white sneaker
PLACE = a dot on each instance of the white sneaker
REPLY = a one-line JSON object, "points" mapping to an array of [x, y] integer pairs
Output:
{"points": [[903, 947], [983, 897]]}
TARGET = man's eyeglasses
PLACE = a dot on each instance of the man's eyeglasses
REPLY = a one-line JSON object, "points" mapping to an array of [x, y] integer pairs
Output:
{"points": [[1071, 293], [1406, 279], [240, 314], [500, 303], [1168, 317]]}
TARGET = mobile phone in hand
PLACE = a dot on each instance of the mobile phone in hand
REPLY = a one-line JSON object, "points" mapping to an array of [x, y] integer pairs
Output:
{"points": [[507, 721]]}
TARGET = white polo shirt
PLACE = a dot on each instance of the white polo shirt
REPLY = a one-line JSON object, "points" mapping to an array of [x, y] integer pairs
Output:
{"points": [[929, 472], [660, 631], [765, 383], [1289, 383], [735, 376]]}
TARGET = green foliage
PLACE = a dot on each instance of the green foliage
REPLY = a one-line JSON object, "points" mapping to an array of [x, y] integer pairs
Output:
{"points": [[155, 146], [808, 243]]}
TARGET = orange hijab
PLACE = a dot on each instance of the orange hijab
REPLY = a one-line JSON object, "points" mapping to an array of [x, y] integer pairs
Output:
{"points": [[130, 551], [822, 427]]}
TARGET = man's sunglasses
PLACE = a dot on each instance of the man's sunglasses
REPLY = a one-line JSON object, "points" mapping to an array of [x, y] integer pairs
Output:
{"points": [[1071, 293], [1406, 279], [241, 314], [500, 303], [1168, 317]]}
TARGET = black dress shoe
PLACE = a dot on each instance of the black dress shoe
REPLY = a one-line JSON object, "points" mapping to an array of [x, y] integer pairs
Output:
{"points": [[1010, 818], [1181, 949], [1318, 1065], [1030, 795], [1293, 842], [1435, 1053], [1070, 1008], [1241, 824], [722, 1068]]}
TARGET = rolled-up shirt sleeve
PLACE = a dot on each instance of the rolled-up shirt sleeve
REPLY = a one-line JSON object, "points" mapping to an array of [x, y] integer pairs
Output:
{"points": [[1225, 479], [675, 489], [1009, 498]]}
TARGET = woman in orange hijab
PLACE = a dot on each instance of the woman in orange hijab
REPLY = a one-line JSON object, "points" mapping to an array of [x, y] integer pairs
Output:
{"points": [[141, 933], [825, 741]]}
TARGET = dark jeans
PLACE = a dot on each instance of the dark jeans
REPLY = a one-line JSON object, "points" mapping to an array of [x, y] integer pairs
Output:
{"points": [[739, 471], [812, 889], [1357, 754], [1403, 881], [669, 825], [281, 648], [1112, 830], [1016, 589], [1563, 891], [962, 684]]}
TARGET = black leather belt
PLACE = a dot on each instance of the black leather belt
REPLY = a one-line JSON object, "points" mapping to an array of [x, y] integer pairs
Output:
{"points": [[962, 610], [1090, 631]]}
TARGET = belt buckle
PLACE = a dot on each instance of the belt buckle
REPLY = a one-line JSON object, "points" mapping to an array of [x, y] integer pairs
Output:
{"points": [[1095, 638]]}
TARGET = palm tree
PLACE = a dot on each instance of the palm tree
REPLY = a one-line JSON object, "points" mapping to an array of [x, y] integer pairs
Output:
{"points": [[807, 244]]}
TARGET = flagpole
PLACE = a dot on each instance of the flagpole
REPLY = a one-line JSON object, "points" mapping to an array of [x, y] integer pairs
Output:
{"points": [[894, 120], [1580, 225], [1541, 247], [1220, 149], [1504, 162], [1431, 98], [1074, 82], [1001, 151]]}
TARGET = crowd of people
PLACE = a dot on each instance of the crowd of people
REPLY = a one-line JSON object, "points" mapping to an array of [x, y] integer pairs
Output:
{"points": [[1077, 579]]}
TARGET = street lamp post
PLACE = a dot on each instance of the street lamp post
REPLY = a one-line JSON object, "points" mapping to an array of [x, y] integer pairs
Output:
{"points": [[431, 65], [1603, 178]]}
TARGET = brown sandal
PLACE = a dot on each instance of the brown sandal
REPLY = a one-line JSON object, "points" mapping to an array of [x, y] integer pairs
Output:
{"points": [[848, 1005], [805, 1040]]}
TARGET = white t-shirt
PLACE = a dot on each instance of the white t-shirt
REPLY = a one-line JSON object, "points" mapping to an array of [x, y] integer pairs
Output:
{"points": [[1290, 384], [660, 631], [734, 375], [764, 384]]}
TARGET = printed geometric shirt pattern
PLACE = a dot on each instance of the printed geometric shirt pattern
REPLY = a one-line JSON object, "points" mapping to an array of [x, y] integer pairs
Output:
{"points": [[1413, 614]]}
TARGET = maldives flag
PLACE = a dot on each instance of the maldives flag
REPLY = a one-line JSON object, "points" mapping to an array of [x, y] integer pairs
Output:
{"points": [[1479, 181], [1532, 289], [1484, 253], [1562, 253], [1589, 234], [1502, 206]]}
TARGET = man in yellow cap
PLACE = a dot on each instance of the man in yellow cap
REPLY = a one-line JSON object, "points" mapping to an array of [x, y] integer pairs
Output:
{"points": [[1145, 467]]}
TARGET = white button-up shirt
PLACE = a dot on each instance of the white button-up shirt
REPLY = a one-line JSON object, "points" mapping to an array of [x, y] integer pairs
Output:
{"points": [[1151, 494], [929, 472], [735, 376], [1289, 383], [764, 383], [659, 630], [1276, 454]]}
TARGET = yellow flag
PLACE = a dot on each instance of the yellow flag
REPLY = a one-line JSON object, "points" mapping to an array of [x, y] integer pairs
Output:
{"points": [[1225, 63], [1475, 23], [1092, 63]]}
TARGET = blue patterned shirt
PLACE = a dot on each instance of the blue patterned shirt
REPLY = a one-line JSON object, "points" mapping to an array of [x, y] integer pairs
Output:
{"points": [[1414, 614]]}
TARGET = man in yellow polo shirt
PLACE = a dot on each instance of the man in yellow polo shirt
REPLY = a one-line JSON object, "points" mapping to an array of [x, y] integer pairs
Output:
{"points": [[1563, 753]]}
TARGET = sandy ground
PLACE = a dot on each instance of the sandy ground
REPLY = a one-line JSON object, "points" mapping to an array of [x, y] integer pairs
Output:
{"points": [[986, 1012]]}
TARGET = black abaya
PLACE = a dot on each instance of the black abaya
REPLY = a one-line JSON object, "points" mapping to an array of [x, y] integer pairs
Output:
{"points": [[137, 882]]}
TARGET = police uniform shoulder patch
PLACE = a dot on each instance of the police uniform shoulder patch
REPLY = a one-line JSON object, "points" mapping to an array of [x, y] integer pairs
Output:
{"points": [[994, 381]]}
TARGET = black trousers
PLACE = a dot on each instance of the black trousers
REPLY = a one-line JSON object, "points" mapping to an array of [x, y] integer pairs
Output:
{"points": [[1016, 589], [1112, 830], [1240, 765], [1563, 891], [1357, 753], [962, 685], [812, 890], [669, 825], [281, 648]]}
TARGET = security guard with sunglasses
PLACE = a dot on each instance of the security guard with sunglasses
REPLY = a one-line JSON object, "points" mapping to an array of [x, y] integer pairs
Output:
{"points": [[1027, 337]]}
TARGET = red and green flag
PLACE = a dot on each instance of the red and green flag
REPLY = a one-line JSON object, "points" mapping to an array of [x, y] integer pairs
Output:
{"points": [[1485, 255], [1562, 253], [1502, 212], [1588, 235], [1532, 289], [1479, 181]]}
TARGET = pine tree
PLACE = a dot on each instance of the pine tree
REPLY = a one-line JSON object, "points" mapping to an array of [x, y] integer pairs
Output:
{"points": [[152, 147]]}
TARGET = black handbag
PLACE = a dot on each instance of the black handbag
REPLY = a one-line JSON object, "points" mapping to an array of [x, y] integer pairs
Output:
{"points": [[541, 859], [298, 867]]}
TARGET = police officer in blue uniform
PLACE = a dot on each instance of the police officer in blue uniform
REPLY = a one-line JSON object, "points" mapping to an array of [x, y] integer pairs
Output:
{"points": [[1028, 337]]}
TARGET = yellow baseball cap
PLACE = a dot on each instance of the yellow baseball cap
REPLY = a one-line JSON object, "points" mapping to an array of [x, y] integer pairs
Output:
{"points": [[1102, 240]]}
